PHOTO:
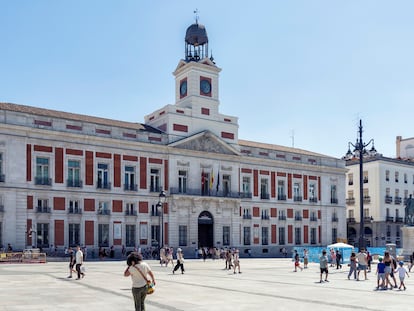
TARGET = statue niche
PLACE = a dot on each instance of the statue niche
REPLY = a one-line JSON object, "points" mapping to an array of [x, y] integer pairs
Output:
{"points": [[409, 211]]}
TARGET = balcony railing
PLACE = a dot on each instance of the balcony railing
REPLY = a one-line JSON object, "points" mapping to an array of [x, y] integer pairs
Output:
{"points": [[351, 182], [264, 196], [74, 211], [104, 212], [297, 198], [43, 209], [2, 178], [209, 192], [44, 181], [313, 200], [297, 217], [281, 197], [130, 213], [313, 218], [74, 183], [388, 199], [155, 213], [350, 201], [350, 220], [1, 208], [334, 200], [334, 219], [389, 219], [247, 216], [397, 200], [399, 219], [365, 180], [103, 185], [265, 217], [367, 199], [282, 217], [130, 187], [245, 195], [155, 188]]}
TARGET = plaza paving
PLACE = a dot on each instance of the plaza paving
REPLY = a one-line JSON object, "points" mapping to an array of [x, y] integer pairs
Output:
{"points": [[264, 284]]}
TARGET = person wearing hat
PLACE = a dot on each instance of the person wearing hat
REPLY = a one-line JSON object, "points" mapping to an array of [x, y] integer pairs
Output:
{"points": [[381, 274], [401, 273], [180, 261]]}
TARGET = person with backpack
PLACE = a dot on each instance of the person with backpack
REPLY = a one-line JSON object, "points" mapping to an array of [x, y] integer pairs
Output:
{"points": [[338, 260]]}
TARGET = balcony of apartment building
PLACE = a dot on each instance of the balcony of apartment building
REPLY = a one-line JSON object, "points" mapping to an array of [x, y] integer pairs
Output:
{"points": [[245, 195], [334, 200], [1, 208], [247, 216], [298, 218], [209, 192], [265, 217], [335, 218], [313, 200], [2, 178], [281, 197], [351, 220], [103, 185], [350, 201], [74, 210], [282, 217], [105, 212], [74, 183], [43, 181], [313, 218], [388, 199], [130, 187], [134, 213], [397, 200], [264, 196], [297, 198], [365, 180], [389, 219], [43, 209], [367, 199], [399, 219]]}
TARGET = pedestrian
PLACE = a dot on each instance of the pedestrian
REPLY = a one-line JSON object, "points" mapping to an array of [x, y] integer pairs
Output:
{"points": [[228, 259], [123, 251], [284, 252], [362, 263], [401, 274], [369, 261], [297, 261], [411, 262], [138, 270], [79, 262], [323, 264], [180, 261], [381, 274], [333, 257], [305, 258], [389, 267], [71, 261], [236, 261], [9, 247], [352, 265], [338, 258]]}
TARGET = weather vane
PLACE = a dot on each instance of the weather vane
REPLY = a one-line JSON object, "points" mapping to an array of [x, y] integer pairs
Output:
{"points": [[196, 15]]}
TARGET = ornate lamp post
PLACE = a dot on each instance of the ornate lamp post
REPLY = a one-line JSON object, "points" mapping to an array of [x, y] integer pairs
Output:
{"points": [[162, 198], [360, 152]]}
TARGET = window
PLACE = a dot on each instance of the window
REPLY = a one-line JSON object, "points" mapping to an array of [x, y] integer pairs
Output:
{"points": [[155, 180], [298, 236], [74, 174], [397, 231], [313, 216], [265, 236], [74, 207], [387, 175], [265, 214], [130, 231], [42, 235], [246, 213], [103, 235], [312, 193], [334, 195], [264, 191], [226, 185], [350, 179], [246, 235], [42, 172], [405, 178], [2, 178], [281, 190], [43, 206], [154, 210], [103, 208], [130, 182], [387, 212], [298, 215], [182, 235], [351, 213], [182, 181], [397, 214], [155, 235], [103, 176], [388, 231], [396, 176], [281, 236], [130, 209], [366, 212], [282, 215], [74, 234], [313, 235], [297, 196], [365, 177], [334, 235], [226, 235], [246, 187]]}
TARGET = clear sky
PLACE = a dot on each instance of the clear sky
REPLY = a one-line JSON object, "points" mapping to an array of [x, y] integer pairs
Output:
{"points": [[307, 69]]}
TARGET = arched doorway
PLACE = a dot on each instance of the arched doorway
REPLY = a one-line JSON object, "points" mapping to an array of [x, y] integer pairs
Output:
{"points": [[205, 229]]}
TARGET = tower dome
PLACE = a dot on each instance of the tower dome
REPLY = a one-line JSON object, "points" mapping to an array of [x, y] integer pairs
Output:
{"points": [[196, 43]]}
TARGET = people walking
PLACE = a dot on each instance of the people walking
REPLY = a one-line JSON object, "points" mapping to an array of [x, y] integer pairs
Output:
{"points": [[180, 261], [352, 266], [71, 261], [362, 263], [79, 262], [297, 262], [401, 274], [389, 267], [305, 258], [236, 261], [381, 274], [138, 270], [323, 264], [338, 258]]}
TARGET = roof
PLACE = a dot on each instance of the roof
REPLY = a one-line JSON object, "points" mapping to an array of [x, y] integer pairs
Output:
{"points": [[76, 117]]}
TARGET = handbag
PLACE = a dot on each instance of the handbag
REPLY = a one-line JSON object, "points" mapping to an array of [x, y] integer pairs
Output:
{"points": [[150, 286]]}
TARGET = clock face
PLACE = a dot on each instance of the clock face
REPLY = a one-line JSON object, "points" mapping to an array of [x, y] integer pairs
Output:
{"points": [[183, 88], [205, 86]]}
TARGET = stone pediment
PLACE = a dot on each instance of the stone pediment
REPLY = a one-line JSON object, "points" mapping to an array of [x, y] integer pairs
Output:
{"points": [[206, 142]]}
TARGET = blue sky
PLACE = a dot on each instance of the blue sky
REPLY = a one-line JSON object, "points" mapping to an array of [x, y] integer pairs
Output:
{"points": [[312, 68]]}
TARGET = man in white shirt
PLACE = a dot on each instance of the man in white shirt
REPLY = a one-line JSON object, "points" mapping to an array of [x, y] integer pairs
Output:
{"points": [[362, 262], [79, 262]]}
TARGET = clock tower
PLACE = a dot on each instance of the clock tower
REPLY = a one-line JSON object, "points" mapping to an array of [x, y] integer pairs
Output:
{"points": [[196, 107]]}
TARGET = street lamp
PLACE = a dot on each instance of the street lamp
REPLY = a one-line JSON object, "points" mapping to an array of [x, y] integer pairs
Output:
{"points": [[360, 152], [162, 198]]}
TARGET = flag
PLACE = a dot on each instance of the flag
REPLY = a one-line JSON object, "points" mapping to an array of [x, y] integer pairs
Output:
{"points": [[211, 179], [218, 180]]}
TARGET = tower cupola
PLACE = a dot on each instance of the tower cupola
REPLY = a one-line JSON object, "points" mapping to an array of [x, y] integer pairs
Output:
{"points": [[196, 42]]}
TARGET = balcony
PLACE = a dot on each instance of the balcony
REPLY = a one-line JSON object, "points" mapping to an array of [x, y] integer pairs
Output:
{"points": [[131, 213], [313, 218], [209, 192], [1, 208], [397, 200], [350, 201], [130, 187], [72, 210], [334, 200], [44, 181], [367, 199], [74, 183], [334, 219], [282, 217], [2, 178], [247, 216], [155, 213], [281, 197], [245, 195], [297, 198], [365, 180], [313, 200], [350, 183], [103, 185], [156, 188], [399, 219], [388, 199], [368, 219], [43, 209], [298, 218], [265, 217], [389, 219], [104, 212], [264, 196], [351, 220]]}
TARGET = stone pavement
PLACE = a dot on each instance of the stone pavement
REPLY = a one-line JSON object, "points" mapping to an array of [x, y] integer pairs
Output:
{"points": [[267, 284]]}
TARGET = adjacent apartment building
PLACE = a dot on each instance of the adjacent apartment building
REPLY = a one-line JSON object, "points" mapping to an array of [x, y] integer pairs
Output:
{"points": [[68, 179]]}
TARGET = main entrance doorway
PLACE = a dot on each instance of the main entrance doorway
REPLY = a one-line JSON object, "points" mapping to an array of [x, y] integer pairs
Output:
{"points": [[205, 229]]}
